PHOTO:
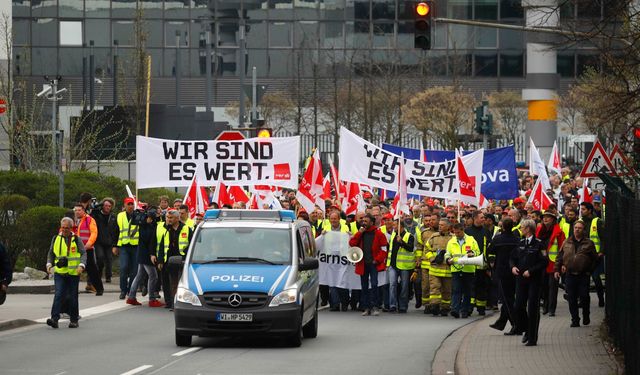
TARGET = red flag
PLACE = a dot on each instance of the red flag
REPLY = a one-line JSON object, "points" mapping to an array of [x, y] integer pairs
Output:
{"points": [[221, 195], [538, 198], [196, 198], [353, 199], [400, 201], [326, 188], [237, 194], [585, 192], [340, 188], [310, 189]]}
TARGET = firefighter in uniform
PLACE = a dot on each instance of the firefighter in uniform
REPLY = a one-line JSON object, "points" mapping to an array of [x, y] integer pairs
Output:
{"points": [[482, 283], [429, 228], [439, 271], [172, 239]]}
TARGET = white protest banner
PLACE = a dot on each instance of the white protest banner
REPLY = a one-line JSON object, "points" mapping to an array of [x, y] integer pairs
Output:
{"points": [[254, 161], [335, 269], [363, 162]]}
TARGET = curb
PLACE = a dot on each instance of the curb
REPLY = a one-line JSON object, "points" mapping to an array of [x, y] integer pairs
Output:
{"points": [[16, 323], [31, 289], [445, 358]]}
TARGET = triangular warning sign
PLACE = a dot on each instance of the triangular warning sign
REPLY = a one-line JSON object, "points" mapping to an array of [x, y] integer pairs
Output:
{"points": [[597, 161], [620, 163]]}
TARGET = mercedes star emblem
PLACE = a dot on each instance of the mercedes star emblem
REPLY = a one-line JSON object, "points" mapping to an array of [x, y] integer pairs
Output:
{"points": [[235, 300]]}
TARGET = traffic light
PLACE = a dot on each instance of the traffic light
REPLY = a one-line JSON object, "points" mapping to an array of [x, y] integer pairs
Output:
{"points": [[483, 120], [264, 132], [422, 25]]}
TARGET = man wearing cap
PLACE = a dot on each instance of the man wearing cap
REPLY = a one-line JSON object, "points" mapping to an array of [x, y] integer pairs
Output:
{"points": [[126, 247], [552, 239], [597, 206], [595, 227], [177, 203]]}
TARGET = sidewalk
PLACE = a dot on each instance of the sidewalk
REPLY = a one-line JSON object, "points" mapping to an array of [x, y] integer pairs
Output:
{"points": [[23, 309], [482, 350]]}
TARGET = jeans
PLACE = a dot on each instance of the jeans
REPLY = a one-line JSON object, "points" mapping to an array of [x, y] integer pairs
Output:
{"points": [[93, 276], [597, 280], [461, 294], [399, 299], [338, 297], [578, 289], [145, 269], [128, 267], [66, 287], [369, 296]]}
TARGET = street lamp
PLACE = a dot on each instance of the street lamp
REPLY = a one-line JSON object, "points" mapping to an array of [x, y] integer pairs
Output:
{"points": [[54, 95]]}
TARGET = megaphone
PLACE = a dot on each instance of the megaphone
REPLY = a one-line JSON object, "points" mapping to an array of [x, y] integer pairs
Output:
{"points": [[354, 254], [473, 261]]}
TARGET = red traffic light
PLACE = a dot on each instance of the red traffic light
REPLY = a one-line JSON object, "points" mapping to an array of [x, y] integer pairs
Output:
{"points": [[422, 9]]}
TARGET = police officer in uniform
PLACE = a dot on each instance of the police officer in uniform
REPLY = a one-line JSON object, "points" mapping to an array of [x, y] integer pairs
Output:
{"points": [[528, 263]]}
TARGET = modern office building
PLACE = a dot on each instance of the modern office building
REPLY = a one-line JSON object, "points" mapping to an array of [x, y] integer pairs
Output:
{"points": [[285, 40]]}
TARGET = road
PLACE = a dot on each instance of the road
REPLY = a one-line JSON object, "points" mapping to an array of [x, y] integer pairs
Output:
{"points": [[140, 340]]}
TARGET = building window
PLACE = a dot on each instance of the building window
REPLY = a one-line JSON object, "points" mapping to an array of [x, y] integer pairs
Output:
{"points": [[486, 64], [486, 10], [459, 64], [566, 64], [123, 32], [71, 8], [512, 9], [383, 10], [332, 35], [280, 34], [98, 31], [511, 64], [587, 62], [486, 37], [383, 35], [176, 9], [21, 32], [170, 30], [227, 34], [44, 32], [71, 33], [306, 34]]}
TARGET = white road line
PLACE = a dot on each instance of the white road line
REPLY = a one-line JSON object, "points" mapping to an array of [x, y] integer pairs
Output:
{"points": [[137, 370], [116, 305], [186, 351]]}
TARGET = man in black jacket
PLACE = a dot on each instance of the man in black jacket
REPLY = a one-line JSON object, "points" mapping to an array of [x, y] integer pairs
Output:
{"points": [[501, 248], [107, 236], [528, 262], [5, 273]]}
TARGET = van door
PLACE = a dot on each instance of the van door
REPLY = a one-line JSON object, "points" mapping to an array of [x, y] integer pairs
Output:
{"points": [[309, 287]]}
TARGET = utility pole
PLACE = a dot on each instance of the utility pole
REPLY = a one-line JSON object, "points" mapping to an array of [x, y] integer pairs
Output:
{"points": [[207, 60], [57, 139], [241, 57], [254, 98]]}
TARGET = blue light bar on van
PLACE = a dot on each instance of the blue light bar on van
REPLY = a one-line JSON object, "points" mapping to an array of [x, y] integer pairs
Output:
{"points": [[222, 214], [211, 214]]}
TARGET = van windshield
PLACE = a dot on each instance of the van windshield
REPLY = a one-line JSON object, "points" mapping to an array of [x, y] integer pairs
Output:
{"points": [[252, 245]]}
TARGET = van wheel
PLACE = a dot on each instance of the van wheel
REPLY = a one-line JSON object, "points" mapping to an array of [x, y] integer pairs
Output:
{"points": [[183, 340], [310, 330], [295, 340]]}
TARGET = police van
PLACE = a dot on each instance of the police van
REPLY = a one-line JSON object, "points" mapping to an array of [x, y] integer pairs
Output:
{"points": [[248, 272]]}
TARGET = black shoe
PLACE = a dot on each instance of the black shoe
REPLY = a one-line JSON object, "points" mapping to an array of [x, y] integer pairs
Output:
{"points": [[52, 323], [545, 311], [122, 295], [73, 325], [525, 338], [565, 296], [444, 312], [455, 314], [601, 303], [586, 321], [498, 325], [345, 307], [324, 303], [481, 312], [435, 310], [100, 292], [386, 309], [402, 311], [530, 344], [465, 316], [335, 308], [575, 324], [108, 281], [512, 332], [552, 313], [418, 304]]}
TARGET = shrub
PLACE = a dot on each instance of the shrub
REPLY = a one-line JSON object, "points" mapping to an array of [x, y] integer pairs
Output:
{"points": [[25, 183], [34, 230], [11, 207]]}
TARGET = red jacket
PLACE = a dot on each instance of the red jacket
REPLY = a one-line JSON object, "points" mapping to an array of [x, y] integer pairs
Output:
{"points": [[558, 234], [378, 249]]}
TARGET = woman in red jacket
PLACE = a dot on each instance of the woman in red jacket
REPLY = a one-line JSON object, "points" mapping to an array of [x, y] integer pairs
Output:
{"points": [[374, 249], [552, 237]]}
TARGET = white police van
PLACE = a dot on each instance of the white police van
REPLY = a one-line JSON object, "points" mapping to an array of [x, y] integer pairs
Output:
{"points": [[248, 272]]}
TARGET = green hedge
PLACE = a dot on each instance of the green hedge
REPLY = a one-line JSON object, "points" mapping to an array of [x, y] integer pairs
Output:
{"points": [[34, 230]]}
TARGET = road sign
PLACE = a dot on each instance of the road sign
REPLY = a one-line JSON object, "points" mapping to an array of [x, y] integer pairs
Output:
{"points": [[230, 135], [597, 161], [621, 165], [3, 106]]}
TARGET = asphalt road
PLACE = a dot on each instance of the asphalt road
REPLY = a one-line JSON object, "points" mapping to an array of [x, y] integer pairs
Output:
{"points": [[141, 341]]}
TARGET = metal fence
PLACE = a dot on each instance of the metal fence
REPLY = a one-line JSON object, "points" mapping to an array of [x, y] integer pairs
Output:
{"points": [[623, 276]]}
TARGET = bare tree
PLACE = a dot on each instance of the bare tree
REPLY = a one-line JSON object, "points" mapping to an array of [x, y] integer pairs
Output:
{"points": [[509, 112]]}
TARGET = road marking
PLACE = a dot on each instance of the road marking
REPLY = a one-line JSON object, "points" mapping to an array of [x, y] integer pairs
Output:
{"points": [[186, 351], [61, 373], [137, 370], [116, 305]]}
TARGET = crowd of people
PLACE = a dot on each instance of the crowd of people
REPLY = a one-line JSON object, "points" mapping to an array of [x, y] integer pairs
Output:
{"points": [[453, 260]]}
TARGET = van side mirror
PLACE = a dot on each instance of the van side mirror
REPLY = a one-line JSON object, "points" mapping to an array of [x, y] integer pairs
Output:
{"points": [[308, 264], [175, 262]]}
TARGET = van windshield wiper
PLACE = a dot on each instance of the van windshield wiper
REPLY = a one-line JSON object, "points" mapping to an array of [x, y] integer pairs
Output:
{"points": [[234, 260]]}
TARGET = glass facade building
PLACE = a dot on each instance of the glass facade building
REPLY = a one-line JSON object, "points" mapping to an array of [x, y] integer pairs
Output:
{"points": [[284, 38]]}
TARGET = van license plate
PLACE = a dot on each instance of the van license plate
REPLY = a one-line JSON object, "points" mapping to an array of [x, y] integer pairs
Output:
{"points": [[234, 317]]}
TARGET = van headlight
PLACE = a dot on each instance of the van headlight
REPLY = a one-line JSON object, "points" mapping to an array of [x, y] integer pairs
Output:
{"points": [[184, 295], [284, 297]]}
